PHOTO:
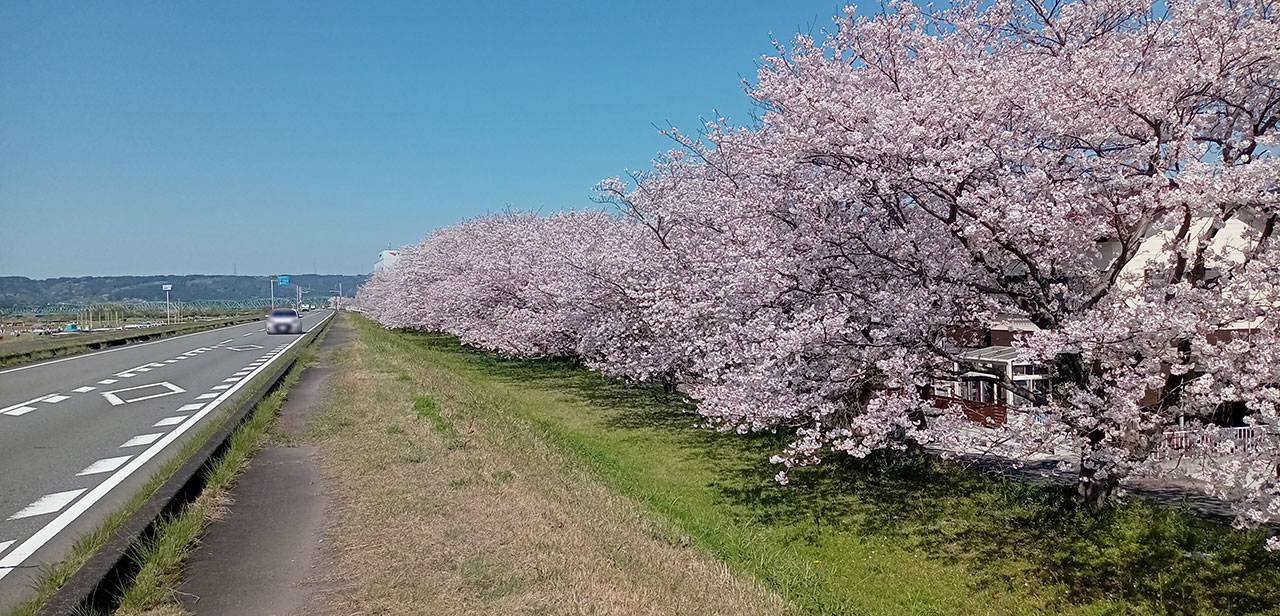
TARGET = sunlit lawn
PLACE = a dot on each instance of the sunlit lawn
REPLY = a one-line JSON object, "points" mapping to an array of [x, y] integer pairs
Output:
{"points": [[896, 534]]}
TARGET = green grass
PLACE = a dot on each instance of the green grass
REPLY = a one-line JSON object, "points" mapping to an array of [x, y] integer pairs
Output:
{"points": [[892, 534]]}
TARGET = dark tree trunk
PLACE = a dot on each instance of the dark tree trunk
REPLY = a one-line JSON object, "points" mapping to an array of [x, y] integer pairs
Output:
{"points": [[1091, 490]]}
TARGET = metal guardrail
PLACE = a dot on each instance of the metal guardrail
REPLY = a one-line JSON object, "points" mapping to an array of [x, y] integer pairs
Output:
{"points": [[143, 307]]}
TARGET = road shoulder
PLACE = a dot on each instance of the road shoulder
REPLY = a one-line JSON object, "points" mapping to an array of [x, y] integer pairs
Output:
{"points": [[255, 558]]}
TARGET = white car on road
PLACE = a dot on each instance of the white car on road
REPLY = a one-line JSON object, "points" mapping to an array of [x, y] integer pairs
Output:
{"points": [[284, 321]]}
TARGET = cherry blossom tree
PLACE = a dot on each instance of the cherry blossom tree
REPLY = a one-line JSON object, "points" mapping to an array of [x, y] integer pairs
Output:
{"points": [[1025, 159], [1104, 170]]}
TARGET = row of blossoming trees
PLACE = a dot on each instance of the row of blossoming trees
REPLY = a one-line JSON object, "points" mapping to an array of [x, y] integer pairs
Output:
{"points": [[1105, 170]]}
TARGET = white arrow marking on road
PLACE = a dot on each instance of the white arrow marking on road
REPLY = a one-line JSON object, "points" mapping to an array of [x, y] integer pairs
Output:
{"points": [[48, 503]]}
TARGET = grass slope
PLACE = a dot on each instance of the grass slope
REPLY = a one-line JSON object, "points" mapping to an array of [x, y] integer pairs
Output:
{"points": [[894, 534]]}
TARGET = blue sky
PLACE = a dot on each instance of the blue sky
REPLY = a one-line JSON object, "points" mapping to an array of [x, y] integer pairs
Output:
{"points": [[282, 137]]}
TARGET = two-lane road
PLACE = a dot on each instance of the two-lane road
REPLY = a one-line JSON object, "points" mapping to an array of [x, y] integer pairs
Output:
{"points": [[78, 436]]}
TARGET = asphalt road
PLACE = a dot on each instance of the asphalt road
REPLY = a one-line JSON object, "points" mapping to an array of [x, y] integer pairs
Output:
{"points": [[78, 436]]}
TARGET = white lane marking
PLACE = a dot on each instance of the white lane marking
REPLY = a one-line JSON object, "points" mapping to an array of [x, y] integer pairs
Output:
{"points": [[226, 341], [241, 374], [248, 334], [180, 357], [231, 380], [155, 365], [142, 369], [55, 398], [4, 545], [20, 411], [129, 347], [13, 410], [170, 361], [107, 381], [117, 400], [222, 386], [142, 439], [169, 421], [207, 396], [105, 465], [28, 547], [84, 390], [190, 407], [48, 503]]}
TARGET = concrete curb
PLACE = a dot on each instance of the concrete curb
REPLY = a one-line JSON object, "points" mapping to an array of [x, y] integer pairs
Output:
{"points": [[96, 584]]}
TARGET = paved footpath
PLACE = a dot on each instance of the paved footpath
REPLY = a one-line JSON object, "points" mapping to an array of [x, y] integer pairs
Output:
{"points": [[255, 560]]}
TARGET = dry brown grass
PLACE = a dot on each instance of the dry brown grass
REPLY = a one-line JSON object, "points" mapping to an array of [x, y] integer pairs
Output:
{"points": [[460, 507]]}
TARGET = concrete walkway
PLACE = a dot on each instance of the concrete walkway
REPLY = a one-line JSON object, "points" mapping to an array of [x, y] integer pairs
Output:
{"points": [[255, 560]]}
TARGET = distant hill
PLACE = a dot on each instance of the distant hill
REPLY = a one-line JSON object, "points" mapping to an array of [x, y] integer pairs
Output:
{"points": [[19, 290]]}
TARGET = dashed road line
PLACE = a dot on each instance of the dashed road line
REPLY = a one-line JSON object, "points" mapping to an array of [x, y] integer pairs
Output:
{"points": [[169, 421], [208, 396], [49, 503], [142, 439], [191, 407], [107, 381], [104, 465], [55, 398], [84, 390], [22, 408]]}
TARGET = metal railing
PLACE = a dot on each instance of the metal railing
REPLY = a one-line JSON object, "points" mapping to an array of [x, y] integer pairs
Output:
{"points": [[1226, 440]]}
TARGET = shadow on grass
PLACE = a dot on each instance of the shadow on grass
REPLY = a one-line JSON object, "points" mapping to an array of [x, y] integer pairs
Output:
{"points": [[1002, 531]]}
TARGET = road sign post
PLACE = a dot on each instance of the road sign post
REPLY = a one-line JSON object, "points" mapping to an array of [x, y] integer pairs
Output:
{"points": [[166, 288]]}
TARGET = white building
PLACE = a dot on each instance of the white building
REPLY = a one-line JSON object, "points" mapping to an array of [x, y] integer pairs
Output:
{"points": [[385, 259]]}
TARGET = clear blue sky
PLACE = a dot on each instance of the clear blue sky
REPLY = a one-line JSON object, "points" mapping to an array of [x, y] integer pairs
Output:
{"points": [[277, 137]]}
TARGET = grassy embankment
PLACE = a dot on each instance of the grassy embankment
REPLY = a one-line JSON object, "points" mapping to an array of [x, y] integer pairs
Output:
{"points": [[30, 347], [159, 559], [467, 483]]}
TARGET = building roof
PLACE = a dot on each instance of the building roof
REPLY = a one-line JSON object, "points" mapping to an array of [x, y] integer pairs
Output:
{"points": [[1006, 354]]}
